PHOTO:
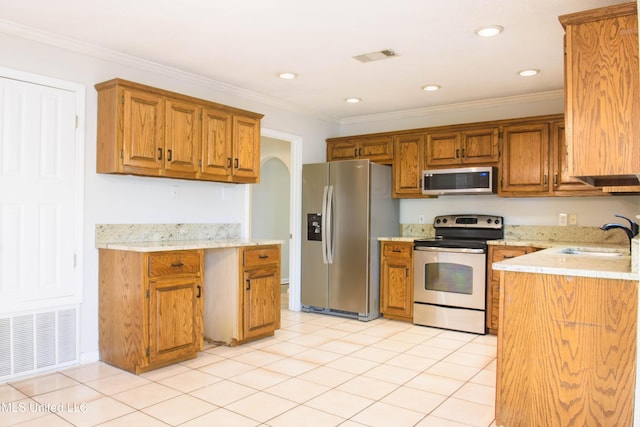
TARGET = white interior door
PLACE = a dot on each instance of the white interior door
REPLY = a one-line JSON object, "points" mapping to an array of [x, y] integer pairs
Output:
{"points": [[38, 182]]}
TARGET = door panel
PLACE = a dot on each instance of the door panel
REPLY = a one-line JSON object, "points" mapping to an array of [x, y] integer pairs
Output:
{"points": [[314, 276], [216, 143], [349, 273], [143, 144], [38, 175], [182, 138]]}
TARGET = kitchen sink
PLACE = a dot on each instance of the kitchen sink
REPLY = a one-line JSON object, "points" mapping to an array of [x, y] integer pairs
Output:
{"points": [[608, 252]]}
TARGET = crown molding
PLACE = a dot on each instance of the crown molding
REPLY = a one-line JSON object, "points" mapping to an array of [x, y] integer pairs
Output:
{"points": [[55, 40], [552, 95]]}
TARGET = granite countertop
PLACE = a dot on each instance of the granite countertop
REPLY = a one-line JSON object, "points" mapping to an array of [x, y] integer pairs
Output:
{"points": [[554, 261], [178, 245], [173, 237]]}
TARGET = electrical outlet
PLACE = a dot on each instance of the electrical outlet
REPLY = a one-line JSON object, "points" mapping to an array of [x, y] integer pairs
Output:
{"points": [[420, 219], [562, 219], [573, 219]]}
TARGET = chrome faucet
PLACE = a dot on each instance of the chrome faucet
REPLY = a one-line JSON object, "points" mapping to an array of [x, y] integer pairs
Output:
{"points": [[632, 231]]}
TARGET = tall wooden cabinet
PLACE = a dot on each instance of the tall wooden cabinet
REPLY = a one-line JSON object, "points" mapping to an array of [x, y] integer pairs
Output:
{"points": [[566, 351], [150, 307], [602, 102], [152, 132], [396, 280]]}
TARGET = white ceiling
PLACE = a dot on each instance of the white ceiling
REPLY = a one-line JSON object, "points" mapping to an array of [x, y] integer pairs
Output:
{"points": [[247, 43]]}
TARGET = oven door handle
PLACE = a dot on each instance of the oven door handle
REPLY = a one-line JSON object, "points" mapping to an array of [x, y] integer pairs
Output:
{"points": [[454, 250]]}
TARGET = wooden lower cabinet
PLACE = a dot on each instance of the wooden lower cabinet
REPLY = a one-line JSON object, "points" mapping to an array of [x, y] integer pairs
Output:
{"points": [[150, 308], [499, 253], [243, 289], [396, 281], [566, 351]]}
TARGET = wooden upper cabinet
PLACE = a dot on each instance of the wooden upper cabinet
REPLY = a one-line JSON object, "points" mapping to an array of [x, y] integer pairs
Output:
{"points": [[480, 146], [182, 138], [246, 149], [152, 132], [408, 163], [443, 149], [377, 148], [525, 159], [217, 157], [467, 147], [602, 94], [143, 136]]}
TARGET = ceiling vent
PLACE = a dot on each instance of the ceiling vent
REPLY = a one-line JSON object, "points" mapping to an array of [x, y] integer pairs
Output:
{"points": [[375, 56]]}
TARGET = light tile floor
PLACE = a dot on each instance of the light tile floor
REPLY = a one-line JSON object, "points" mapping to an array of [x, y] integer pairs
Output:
{"points": [[317, 370]]}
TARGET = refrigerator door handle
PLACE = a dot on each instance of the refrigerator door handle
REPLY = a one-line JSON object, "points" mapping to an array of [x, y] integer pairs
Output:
{"points": [[330, 225], [323, 222]]}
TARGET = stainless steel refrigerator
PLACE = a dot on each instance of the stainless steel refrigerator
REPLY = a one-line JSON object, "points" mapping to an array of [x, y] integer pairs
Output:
{"points": [[346, 206]]}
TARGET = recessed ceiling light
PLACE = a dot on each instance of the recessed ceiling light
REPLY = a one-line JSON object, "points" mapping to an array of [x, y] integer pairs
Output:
{"points": [[431, 88], [528, 73], [489, 30], [352, 100], [287, 76]]}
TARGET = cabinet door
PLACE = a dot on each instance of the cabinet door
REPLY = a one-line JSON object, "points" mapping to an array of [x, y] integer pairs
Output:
{"points": [[342, 150], [396, 297], [377, 149], [182, 138], [143, 131], [525, 160], [173, 318], [216, 144], [602, 93], [443, 149], [246, 149], [407, 165], [480, 146], [260, 301]]}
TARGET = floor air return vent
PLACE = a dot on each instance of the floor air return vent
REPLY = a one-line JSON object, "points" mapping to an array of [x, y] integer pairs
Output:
{"points": [[35, 342]]}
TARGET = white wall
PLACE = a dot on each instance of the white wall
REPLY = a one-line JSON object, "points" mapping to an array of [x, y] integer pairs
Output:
{"points": [[591, 211], [126, 199]]}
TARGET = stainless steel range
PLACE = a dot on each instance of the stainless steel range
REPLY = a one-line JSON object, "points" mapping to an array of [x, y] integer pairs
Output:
{"points": [[451, 272]]}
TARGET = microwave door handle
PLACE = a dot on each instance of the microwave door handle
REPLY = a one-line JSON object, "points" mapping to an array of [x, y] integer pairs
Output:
{"points": [[330, 197], [323, 222]]}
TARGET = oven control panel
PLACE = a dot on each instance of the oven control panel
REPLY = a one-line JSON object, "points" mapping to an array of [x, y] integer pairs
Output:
{"points": [[468, 221]]}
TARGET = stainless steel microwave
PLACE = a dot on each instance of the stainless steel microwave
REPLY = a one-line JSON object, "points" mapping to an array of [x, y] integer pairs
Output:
{"points": [[480, 180]]}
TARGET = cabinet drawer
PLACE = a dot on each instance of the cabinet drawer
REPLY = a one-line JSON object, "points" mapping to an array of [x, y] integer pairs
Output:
{"points": [[398, 250], [261, 256], [170, 263]]}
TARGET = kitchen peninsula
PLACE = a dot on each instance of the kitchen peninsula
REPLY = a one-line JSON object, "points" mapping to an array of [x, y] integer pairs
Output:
{"points": [[567, 337], [164, 288]]}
